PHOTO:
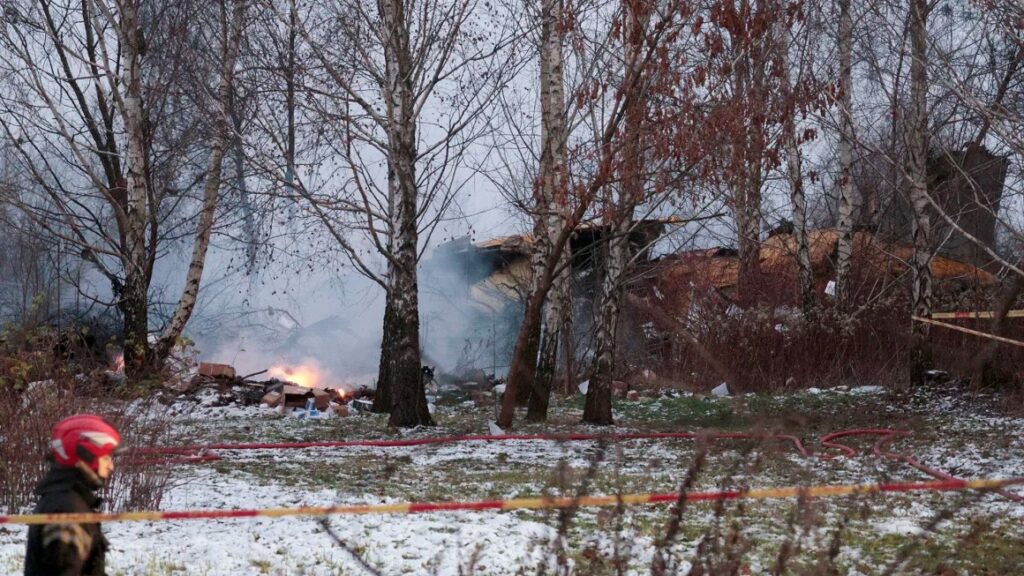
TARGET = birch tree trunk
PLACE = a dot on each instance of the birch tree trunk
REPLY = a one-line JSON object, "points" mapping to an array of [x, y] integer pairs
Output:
{"points": [[748, 77], [794, 173], [382, 396], [249, 231], [844, 250], [917, 165], [597, 408], [134, 299], [289, 175], [557, 320], [630, 91], [409, 401], [552, 196], [221, 138], [538, 261]]}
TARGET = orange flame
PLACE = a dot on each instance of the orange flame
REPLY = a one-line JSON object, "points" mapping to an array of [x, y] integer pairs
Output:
{"points": [[305, 375]]}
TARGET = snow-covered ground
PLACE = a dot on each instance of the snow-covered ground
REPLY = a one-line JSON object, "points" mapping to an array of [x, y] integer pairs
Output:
{"points": [[949, 433]]}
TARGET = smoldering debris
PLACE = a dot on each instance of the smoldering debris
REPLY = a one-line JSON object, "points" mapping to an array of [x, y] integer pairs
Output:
{"points": [[219, 385]]}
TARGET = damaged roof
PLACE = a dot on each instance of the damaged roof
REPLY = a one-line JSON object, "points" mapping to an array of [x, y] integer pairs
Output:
{"points": [[719, 268]]}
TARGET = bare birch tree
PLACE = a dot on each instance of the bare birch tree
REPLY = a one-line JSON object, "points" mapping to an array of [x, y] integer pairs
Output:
{"points": [[958, 107], [791, 141], [844, 250], [232, 24], [625, 88], [747, 27], [86, 96], [408, 85], [744, 120], [552, 198], [618, 216], [917, 174], [989, 93]]}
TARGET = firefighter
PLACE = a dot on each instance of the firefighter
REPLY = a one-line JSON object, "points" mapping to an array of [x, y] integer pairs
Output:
{"points": [[82, 449]]}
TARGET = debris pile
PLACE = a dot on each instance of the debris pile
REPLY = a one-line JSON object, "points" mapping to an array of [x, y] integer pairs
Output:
{"points": [[218, 385]]}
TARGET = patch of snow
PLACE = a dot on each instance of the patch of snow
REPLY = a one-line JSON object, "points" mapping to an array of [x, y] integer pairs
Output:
{"points": [[434, 543], [860, 390], [901, 526]]}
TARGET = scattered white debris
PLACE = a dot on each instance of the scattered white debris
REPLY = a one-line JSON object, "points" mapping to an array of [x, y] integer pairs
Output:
{"points": [[494, 429], [584, 386], [867, 390], [830, 288], [721, 390]]}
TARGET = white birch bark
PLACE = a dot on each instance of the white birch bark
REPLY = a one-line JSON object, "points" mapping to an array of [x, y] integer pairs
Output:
{"points": [[553, 200], [597, 407], [748, 77], [134, 256], [917, 166], [409, 406], [847, 202], [221, 138], [794, 174]]}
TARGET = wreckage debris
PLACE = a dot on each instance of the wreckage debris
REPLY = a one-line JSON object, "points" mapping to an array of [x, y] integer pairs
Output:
{"points": [[296, 396], [276, 394], [619, 388], [482, 398], [360, 405], [220, 371], [467, 379]]}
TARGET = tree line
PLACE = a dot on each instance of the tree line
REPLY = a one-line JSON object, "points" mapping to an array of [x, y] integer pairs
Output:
{"points": [[132, 129]]}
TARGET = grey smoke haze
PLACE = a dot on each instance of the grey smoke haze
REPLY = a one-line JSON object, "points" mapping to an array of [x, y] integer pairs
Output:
{"points": [[294, 312]]}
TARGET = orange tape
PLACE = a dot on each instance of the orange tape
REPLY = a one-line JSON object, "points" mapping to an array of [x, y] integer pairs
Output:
{"points": [[518, 503]]}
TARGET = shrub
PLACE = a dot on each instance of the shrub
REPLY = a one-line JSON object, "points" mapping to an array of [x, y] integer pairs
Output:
{"points": [[29, 413]]}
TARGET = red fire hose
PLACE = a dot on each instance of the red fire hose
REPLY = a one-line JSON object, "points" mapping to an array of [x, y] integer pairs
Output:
{"points": [[880, 449]]}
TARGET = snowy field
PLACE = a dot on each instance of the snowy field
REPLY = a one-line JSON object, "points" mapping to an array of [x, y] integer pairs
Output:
{"points": [[966, 436]]}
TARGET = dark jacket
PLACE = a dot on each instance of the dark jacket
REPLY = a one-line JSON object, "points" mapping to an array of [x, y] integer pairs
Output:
{"points": [[66, 549]]}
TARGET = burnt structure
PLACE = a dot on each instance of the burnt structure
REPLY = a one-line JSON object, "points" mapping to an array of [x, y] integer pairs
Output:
{"points": [[474, 292], [967, 184]]}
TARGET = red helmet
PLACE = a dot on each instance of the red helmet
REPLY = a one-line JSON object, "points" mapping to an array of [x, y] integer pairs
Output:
{"points": [[83, 438]]}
